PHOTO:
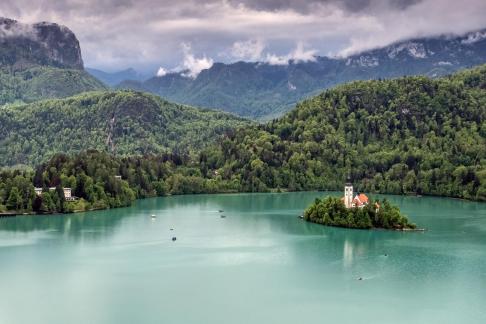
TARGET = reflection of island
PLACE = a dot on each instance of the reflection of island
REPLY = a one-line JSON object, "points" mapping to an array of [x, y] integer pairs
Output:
{"points": [[356, 212]]}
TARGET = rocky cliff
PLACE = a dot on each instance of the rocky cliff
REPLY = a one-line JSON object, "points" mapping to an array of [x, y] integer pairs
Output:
{"points": [[23, 46]]}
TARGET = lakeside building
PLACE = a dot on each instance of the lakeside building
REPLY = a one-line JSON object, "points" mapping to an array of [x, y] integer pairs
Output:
{"points": [[67, 193]]}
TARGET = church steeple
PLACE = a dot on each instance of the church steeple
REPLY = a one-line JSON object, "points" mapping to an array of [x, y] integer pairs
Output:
{"points": [[348, 193]]}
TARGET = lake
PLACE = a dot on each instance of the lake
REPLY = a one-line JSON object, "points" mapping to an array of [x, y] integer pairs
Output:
{"points": [[260, 264]]}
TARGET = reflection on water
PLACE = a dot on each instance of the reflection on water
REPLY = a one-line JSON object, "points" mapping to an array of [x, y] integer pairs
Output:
{"points": [[260, 264], [91, 225], [348, 254]]}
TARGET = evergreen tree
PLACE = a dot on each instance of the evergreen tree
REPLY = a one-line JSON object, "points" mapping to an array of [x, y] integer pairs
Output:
{"points": [[14, 201]]}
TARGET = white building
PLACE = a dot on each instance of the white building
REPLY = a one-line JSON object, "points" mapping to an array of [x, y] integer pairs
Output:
{"points": [[38, 191], [67, 193]]}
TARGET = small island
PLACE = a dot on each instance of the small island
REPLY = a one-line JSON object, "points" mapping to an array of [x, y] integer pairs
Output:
{"points": [[357, 212]]}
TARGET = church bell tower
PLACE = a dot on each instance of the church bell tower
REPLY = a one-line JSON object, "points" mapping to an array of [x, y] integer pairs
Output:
{"points": [[348, 194]]}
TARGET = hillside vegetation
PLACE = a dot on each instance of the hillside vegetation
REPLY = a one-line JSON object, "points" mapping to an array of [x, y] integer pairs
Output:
{"points": [[409, 135], [121, 122], [100, 180], [44, 82]]}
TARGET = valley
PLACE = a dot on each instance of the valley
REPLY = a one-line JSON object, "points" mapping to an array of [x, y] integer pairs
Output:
{"points": [[420, 135], [262, 162]]}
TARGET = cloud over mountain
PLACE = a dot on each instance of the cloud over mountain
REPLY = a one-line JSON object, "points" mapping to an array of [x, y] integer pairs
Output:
{"points": [[147, 33]]}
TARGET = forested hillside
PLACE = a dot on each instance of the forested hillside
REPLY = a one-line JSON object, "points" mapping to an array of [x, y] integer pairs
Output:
{"points": [[409, 135], [100, 180], [44, 82], [121, 122]]}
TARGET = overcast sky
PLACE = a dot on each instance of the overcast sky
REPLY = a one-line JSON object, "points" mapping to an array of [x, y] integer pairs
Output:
{"points": [[161, 35]]}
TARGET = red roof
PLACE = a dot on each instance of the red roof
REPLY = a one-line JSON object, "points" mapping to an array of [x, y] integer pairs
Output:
{"points": [[360, 200]]}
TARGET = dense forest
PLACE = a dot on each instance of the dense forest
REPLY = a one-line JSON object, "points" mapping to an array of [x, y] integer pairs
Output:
{"points": [[409, 135], [100, 180], [378, 214], [42, 82], [121, 122]]}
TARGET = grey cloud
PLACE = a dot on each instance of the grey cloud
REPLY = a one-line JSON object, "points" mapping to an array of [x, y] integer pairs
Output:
{"points": [[146, 34], [11, 28], [352, 6]]}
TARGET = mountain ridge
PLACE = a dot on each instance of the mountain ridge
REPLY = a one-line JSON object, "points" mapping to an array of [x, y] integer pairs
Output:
{"points": [[262, 91], [113, 78]]}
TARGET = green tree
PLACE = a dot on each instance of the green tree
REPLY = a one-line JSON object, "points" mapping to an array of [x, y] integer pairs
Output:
{"points": [[14, 201]]}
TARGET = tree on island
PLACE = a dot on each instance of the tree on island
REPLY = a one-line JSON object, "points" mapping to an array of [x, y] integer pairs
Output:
{"points": [[331, 211]]}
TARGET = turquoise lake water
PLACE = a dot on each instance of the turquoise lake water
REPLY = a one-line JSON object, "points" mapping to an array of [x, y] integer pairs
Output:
{"points": [[260, 264]]}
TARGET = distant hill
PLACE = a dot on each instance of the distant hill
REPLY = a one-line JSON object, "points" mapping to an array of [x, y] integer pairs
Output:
{"points": [[412, 135], [121, 122], [40, 61], [263, 91], [115, 78]]}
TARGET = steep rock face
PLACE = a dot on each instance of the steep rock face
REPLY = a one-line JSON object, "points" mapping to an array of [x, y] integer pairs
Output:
{"points": [[23, 46]]}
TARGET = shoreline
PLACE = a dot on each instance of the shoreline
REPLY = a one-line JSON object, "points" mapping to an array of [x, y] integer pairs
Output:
{"points": [[11, 214]]}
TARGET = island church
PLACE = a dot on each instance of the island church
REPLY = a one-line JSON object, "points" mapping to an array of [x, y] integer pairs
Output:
{"points": [[360, 200]]}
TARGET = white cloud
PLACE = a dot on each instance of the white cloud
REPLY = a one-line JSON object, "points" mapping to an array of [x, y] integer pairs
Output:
{"points": [[248, 50], [161, 72], [298, 55], [273, 59], [192, 65], [426, 18], [302, 55]]}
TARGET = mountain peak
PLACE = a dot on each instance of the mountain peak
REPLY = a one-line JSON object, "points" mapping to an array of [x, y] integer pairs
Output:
{"points": [[44, 43]]}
